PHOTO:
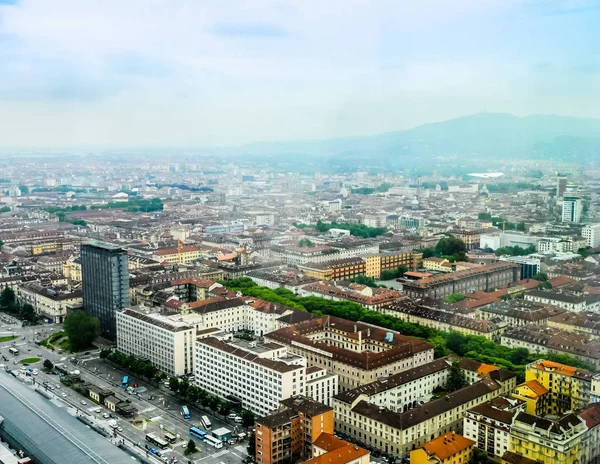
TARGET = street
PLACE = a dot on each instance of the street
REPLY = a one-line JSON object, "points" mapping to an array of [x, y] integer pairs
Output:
{"points": [[159, 416]]}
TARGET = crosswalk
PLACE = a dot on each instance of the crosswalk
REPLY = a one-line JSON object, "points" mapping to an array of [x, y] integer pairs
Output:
{"points": [[219, 454]]}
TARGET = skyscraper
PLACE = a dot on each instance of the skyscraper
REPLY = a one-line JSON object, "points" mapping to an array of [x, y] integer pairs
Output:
{"points": [[561, 184], [571, 209], [105, 281]]}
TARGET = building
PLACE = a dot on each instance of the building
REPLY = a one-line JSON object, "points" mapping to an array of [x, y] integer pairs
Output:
{"points": [[572, 209], [367, 297], [52, 303], [105, 283], [530, 266], [399, 432], [488, 424], [184, 254], [390, 260], [518, 313], [570, 302], [484, 278], [580, 322], [567, 244], [341, 269], [450, 448], [168, 344], [435, 264], [320, 385], [559, 441], [591, 234], [537, 398], [561, 184], [331, 449], [259, 374], [569, 388], [289, 433], [358, 353]]}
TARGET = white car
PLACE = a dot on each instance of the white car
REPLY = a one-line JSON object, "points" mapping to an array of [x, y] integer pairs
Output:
{"points": [[97, 410], [106, 415], [63, 394], [83, 402]]}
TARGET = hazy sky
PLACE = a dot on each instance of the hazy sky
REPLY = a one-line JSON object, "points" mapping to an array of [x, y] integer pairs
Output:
{"points": [[200, 72]]}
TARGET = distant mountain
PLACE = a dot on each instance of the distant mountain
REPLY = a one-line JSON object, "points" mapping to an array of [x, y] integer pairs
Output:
{"points": [[481, 135]]}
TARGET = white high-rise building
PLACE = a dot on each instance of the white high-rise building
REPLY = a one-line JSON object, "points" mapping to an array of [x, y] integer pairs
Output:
{"points": [[572, 209], [259, 374], [591, 233]]}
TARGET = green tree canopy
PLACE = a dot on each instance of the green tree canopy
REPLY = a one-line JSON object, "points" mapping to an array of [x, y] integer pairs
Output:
{"points": [[7, 298], [81, 329], [454, 298], [515, 250], [456, 377], [541, 276]]}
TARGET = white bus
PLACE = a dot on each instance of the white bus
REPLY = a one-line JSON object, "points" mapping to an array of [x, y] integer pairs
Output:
{"points": [[212, 441], [205, 422], [13, 351]]}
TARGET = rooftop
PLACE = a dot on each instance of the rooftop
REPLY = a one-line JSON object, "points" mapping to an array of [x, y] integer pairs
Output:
{"points": [[447, 445]]}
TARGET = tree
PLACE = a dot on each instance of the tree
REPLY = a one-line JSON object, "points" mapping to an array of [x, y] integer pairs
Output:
{"points": [[48, 364], [480, 457], [81, 329], [544, 286], [214, 403], [247, 418], [304, 242], [190, 448], [428, 253], [541, 276], [1, 244], [450, 246], [174, 384], [251, 448], [224, 408], [24, 189], [7, 299], [27, 312], [456, 377], [454, 298], [184, 384]]}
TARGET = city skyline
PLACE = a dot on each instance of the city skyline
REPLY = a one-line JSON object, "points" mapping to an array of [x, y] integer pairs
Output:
{"points": [[76, 74]]}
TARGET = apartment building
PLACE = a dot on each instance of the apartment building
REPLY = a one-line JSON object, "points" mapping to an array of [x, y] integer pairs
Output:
{"points": [[320, 385], [168, 344], [50, 302], [393, 259], [414, 312], [367, 297], [557, 441], [339, 269], [591, 234], [358, 353], [569, 388], [259, 374], [289, 433], [488, 424], [561, 244], [408, 389], [572, 209], [518, 313], [569, 302], [587, 324], [484, 278], [184, 255], [398, 432], [535, 396], [329, 449], [450, 448]]}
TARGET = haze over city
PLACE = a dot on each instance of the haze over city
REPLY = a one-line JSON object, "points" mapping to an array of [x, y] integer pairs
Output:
{"points": [[163, 73]]}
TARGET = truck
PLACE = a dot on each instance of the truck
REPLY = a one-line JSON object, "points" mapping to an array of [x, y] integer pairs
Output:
{"points": [[125, 382]]}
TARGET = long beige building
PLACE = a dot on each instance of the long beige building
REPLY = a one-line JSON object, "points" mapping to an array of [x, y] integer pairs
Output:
{"points": [[358, 353]]}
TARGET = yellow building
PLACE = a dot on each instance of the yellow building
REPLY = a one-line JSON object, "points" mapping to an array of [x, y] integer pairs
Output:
{"points": [[171, 255], [341, 269], [375, 264], [435, 264], [450, 448], [72, 269], [560, 441], [535, 395], [569, 388]]}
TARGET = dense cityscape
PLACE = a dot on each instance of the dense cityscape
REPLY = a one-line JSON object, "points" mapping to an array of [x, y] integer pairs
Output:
{"points": [[213, 311], [314, 232]]}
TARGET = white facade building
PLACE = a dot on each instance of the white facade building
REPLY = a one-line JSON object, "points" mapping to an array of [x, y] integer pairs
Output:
{"points": [[561, 244], [167, 344], [591, 233], [260, 375], [572, 208], [321, 386]]}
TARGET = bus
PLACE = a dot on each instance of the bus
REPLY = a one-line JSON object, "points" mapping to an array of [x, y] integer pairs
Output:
{"points": [[13, 351], [205, 422], [125, 382], [170, 437], [197, 433], [156, 441], [185, 412], [212, 441]]}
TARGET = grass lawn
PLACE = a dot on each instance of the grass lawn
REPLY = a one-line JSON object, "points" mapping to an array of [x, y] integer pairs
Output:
{"points": [[10, 338], [29, 360]]}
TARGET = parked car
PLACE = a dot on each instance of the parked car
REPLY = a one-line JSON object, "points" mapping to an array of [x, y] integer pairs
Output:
{"points": [[106, 415], [84, 402]]}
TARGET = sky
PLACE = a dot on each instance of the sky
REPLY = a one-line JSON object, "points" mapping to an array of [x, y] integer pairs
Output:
{"points": [[127, 73]]}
